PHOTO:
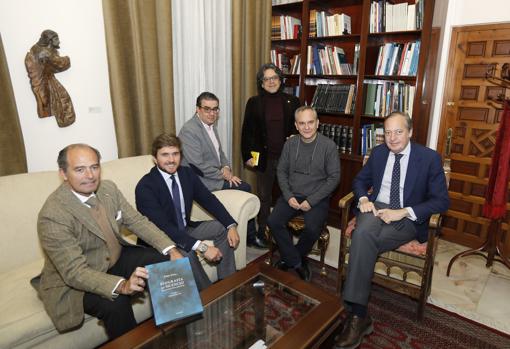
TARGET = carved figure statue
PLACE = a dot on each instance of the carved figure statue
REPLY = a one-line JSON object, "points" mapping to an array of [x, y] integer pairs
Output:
{"points": [[42, 62]]}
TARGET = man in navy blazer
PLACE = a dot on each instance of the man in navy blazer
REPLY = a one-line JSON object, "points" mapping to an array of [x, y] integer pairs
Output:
{"points": [[399, 188], [165, 196]]}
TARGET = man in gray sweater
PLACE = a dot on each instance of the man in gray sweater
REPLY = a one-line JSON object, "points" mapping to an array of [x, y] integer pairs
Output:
{"points": [[308, 173]]}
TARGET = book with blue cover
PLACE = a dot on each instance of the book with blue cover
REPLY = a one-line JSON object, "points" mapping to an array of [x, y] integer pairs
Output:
{"points": [[174, 293]]}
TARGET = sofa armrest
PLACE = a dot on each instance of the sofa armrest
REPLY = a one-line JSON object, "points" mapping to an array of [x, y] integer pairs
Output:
{"points": [[242, 206]]}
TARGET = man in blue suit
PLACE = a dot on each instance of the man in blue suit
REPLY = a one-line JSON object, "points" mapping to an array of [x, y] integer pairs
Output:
{"points": [[165, 196], [399, 188]]}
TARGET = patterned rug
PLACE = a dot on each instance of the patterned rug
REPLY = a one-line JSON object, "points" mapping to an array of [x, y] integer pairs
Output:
{"points": [[395, 325]]}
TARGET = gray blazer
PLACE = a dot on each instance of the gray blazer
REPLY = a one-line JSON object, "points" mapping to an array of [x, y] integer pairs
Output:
{"points": [[198, 150], [76, 255]]}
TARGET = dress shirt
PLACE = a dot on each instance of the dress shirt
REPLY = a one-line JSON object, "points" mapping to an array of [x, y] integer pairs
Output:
{"points": [[212, 136], [384, 192]]}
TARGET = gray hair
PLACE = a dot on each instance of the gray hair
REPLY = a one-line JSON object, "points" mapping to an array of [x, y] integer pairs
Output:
{"points": [[305, 108], [407, 119], [62, 155]]}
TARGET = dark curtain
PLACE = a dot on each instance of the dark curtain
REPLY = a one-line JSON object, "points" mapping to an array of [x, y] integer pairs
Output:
{"points": [[12, 149], [139, 47]]}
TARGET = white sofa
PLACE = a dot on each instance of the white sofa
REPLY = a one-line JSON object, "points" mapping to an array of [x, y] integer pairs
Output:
{"points": [[23, 320]]}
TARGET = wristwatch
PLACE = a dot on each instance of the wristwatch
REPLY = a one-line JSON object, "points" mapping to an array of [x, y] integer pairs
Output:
{"points": [[202, 248]]}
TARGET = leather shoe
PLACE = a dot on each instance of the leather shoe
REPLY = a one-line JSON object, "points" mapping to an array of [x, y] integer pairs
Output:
{"points": [[281, 265], [258, 243], [304, 271], [353, 332]]}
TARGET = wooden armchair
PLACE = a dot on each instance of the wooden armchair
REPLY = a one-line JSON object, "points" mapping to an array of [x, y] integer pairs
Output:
{"points": [[408, 269]]}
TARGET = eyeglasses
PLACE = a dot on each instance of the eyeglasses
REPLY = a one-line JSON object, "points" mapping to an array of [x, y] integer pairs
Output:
{"points": [[271, 78], [210, 110], [388, 133]]}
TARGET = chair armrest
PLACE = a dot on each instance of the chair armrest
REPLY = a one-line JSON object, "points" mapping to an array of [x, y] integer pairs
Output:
{"points": [[435, 221], [345, 206], [346, 201]]}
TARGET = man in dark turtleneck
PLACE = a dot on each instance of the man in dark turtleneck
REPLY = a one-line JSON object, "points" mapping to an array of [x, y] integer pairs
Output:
{"points": [[268, 122], [308, 173]]}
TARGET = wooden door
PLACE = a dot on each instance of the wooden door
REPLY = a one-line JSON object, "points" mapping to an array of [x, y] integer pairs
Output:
{"points": [[472, 119]]}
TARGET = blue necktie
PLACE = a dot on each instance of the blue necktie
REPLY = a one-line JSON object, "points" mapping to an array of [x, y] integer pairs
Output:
{"points": [[395, 190], [176, 198]]}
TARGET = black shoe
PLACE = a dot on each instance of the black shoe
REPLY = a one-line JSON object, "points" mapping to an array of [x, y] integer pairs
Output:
{"points": [[281, 265], [353, 332], [258, 243], [304, 272]]}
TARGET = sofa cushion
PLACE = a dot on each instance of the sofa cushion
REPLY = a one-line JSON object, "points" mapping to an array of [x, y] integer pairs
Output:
{"points": [[24, 322]]}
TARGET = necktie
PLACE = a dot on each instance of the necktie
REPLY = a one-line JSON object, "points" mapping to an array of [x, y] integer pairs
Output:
{"points": [[176, 198], [98, 212], [395, 184]]}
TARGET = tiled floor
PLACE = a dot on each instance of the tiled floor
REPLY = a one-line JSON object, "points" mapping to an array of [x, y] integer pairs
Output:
{"points": [[472, 290]]}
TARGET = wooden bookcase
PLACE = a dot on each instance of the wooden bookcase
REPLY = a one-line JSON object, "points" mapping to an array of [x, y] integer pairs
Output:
{"points": [[369, 43]]}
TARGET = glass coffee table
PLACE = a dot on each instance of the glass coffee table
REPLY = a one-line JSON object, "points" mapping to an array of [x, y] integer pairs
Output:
{"points": [[256, 305]]}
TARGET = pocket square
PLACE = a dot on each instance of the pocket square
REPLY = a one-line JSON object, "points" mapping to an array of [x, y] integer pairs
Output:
{"points": [[119, 215]]}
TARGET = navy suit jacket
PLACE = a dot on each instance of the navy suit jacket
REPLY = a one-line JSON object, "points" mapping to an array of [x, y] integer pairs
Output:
{"points": [[425, 189], [154, 201]]}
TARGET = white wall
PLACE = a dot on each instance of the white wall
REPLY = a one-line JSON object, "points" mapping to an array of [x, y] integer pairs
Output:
{"points": [[81, 31], [460, 13]]}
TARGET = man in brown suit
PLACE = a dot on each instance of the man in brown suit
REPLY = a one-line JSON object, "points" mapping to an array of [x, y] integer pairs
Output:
{"points": [[88, 267]]}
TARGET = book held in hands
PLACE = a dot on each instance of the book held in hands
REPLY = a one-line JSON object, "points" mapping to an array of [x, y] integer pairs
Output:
{"points": [[174, 293]]}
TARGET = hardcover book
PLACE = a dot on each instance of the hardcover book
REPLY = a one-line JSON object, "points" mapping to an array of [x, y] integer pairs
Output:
{"points": [[173, 291]]}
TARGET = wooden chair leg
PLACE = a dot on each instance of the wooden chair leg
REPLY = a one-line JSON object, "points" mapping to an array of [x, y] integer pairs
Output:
{"points": [[323, 263], [269, 239]]}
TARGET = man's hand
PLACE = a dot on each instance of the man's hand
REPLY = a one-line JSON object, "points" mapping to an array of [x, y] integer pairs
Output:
{"points": [[135, 283], [294, 203], [233, 237], [175, 254], [213, 254], [305, 206], [226, 173], [234, 181], [366, 206], [250, 162], [389, 215]]}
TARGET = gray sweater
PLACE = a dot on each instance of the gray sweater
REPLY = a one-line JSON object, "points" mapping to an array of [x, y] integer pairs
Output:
{"points": [[309, 170]]}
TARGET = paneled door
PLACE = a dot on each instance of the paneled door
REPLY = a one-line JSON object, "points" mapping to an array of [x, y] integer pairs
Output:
{"points": [[471, 119]]}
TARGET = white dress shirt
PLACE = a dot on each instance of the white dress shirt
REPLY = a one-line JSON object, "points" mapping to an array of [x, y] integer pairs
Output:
{"points": [[212, 136], [384, 192]]}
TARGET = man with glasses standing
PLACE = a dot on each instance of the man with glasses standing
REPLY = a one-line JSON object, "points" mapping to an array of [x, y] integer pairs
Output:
{"points": [[203, 152], [308, 173], [268, 122], [399, 188]]}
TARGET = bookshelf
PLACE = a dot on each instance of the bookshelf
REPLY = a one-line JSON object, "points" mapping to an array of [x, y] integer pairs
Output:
{"points": [[381, 54]]}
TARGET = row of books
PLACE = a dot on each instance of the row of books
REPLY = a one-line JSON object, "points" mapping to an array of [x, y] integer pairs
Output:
{"points": [[384, 97], [285, 27], [292, 90], [328, 60], [338, 98], [398, 59], [281, 2], [324, 24], [287, 65], [341, 135], [386, 16], [371, 136]]}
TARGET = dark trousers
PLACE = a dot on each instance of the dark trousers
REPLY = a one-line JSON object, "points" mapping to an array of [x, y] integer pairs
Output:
{"points": [[265, 182], [370, 238], [251, 229], [117, 315], [314, 222]]}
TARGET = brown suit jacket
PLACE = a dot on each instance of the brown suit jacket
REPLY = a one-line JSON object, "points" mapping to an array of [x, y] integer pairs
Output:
{"points": [[76, 255]]}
